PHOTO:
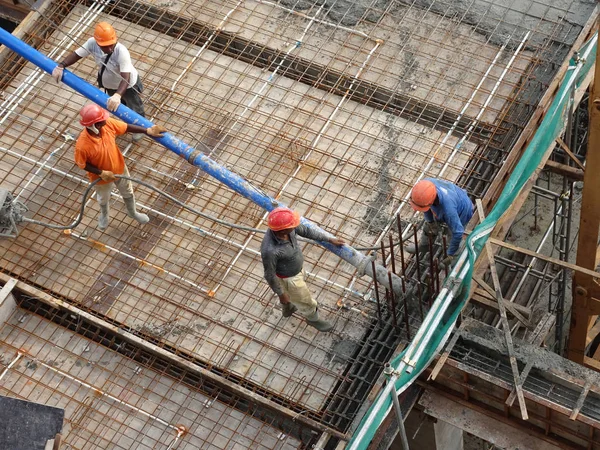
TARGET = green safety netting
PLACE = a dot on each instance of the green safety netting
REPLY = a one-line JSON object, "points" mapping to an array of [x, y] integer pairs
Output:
{"points": [[438, 324]]}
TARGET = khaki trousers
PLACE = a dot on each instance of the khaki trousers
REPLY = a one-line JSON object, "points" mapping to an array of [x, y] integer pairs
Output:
{"points": [[124, 186], [299, 294]]}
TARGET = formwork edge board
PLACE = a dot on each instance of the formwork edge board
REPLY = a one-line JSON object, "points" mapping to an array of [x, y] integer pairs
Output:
{"points": [[508, 386]]}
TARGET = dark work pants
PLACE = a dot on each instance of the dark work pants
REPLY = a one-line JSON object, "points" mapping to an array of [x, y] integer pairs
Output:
{"points": [[132, 98]]}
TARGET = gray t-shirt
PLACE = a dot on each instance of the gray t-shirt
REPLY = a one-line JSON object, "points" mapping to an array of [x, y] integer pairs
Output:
{"points": [[285, 258], [120, 61]]}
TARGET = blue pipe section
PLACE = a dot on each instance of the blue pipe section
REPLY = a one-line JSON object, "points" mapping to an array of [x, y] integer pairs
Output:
{"points": [[195, 157]]}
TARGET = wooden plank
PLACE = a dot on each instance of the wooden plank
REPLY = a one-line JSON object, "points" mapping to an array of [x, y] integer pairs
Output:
{"points": [[536, 338], [7, 289], [561, 169], [540, 333], [509, 306], [592, 333], [504, 319], [591, 363], [480, 297], [436, 370], [580, 401], [568, 151], [558, 262]]}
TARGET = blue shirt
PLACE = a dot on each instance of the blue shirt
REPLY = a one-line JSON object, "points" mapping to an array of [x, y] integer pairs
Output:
{"points": [[454, 208]]}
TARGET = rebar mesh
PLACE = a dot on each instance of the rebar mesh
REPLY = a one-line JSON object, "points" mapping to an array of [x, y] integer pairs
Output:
{"points": [[112, 401], [337, 110]]}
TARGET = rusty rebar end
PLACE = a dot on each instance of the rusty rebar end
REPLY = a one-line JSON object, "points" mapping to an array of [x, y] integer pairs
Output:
{"points": [[182, 430]]}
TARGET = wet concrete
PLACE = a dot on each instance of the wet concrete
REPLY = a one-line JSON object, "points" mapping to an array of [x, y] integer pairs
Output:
{"points": [[377, 215], [491, 341]]}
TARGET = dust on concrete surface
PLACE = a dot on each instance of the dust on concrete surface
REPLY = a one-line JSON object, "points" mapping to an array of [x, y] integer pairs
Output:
{"points": [[497, 21]]}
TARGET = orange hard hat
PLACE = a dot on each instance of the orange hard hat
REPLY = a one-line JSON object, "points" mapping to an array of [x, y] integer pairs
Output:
{"points": [[423, 195], [283, 218], [91, 114], [105, 34]]}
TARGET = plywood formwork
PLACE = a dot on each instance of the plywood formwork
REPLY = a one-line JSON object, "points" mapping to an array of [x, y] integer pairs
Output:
{"points": [[342, 163]]}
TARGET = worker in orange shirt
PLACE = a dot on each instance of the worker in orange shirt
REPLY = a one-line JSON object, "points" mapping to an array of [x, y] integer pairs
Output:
{"points": [[96, 152]]}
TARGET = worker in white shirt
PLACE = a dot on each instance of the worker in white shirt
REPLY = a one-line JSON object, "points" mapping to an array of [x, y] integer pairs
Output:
{"points": [[116, 73]]}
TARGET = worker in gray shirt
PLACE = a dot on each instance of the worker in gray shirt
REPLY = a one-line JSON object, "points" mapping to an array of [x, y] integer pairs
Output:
{"points": [[283, 260]]}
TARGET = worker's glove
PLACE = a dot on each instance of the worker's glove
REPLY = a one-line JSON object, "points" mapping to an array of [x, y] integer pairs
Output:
{"points": [[431, 228], [448, 261], [156, 131], [57, 73], [337, 241], [107, 175], [114, 102]]}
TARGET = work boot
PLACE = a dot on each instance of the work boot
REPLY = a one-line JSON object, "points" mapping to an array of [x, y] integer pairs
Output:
{"points": [[131, 212], [137, 137], [103, 219], [321, 325], [287, 309]]}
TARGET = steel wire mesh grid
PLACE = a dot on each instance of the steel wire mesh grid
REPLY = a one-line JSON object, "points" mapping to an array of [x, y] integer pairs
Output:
{"points": [[113, 402], [336, 114]]}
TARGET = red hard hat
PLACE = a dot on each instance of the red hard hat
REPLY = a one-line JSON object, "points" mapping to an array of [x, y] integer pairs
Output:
{"points": [[105, 34], [423, 195], [283, 218], [91, 114]]}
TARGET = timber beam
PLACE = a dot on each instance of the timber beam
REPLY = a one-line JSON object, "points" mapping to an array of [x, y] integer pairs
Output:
{"points": [[585, 287], [572, 173]]}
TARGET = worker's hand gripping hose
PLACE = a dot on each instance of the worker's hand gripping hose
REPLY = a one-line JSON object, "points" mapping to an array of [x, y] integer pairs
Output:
{"points": [[86, 194]]}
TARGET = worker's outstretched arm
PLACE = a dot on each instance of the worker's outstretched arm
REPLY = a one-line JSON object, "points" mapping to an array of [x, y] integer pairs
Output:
{"points": [[153, 131], [71, 59], [106, 175], [318, 235]]}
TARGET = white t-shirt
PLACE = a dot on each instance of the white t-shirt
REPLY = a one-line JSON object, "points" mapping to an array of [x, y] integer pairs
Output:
{"points": [[120, 61]]}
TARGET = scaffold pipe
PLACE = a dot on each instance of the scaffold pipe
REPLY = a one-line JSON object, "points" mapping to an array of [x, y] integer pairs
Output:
{"points": [[198, 159]]}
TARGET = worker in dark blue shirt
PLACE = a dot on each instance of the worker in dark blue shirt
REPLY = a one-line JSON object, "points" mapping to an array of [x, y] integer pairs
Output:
{"points": [[442, 202]]}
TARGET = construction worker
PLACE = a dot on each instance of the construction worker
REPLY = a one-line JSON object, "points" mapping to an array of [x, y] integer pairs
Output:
{"points": [[442, 202], [116, 73], [96, 152], [283, 260]]}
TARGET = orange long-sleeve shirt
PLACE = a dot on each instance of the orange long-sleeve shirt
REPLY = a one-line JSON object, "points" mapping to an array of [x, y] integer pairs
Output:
{"points": [[101, 151]]}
